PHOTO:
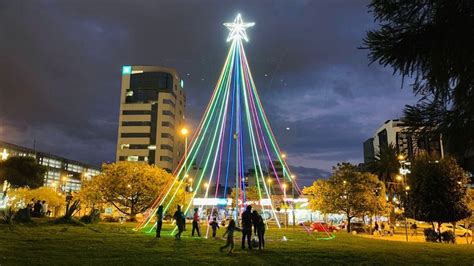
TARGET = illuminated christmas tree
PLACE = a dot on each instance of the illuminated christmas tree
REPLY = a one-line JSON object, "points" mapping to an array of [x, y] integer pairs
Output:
{"points": [[233, 136]]}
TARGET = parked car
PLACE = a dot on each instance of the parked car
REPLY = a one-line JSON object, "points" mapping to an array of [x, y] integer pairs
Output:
{"points": [[357, 228], [460, 230], [323, 227]]}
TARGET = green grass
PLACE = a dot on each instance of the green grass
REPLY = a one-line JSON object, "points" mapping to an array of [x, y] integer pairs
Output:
{"points": [[115, 244]]}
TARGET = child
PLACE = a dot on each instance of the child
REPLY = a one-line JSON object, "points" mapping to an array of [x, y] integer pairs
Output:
{"points": [[230, 236], [214, 226]]}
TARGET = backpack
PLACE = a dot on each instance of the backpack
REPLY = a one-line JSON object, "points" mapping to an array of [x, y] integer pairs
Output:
{"points": [[255, 242]]}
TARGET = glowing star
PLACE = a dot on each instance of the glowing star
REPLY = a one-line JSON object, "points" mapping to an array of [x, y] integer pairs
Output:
{"points": [[237, 29]]}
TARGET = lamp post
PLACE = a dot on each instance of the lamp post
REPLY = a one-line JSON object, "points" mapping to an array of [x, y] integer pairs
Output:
{"points": [[403, 178], [286, 205], [293, 177]]}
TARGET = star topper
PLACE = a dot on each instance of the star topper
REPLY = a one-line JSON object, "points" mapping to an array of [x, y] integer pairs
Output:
{"points": [[237, 29]]}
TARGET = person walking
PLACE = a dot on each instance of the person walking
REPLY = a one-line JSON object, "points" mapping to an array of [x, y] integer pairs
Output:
{"points": [[180, 220], [247, 227], [196, 222], [159, 221], [214, 225], [376, 228], [259, 226], [230, 236]]}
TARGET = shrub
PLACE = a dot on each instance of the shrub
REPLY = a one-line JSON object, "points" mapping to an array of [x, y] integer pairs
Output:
{"points": [[430, 235], [92, 218], [448, 237]]}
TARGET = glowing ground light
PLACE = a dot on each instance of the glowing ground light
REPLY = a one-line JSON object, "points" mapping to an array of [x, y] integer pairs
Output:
{"points": [[233, 135]]}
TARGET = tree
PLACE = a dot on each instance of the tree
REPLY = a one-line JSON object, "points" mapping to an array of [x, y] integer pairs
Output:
{"points": [[20, 171], [431, 41], [251, 194], [348, 191], [130, 187], [438, 191], [386, 166]]}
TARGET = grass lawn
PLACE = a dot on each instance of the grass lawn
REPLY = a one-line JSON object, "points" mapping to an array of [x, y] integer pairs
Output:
{"points": [[115, 244]]}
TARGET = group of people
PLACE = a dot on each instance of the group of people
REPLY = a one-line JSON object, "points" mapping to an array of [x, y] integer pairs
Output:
{"points": [[382, 229], [38, 208], [249, 219]]}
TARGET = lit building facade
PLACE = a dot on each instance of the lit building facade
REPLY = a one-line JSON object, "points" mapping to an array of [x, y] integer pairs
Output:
{"points": [[152, 112], [394, 132], [62, 174]]}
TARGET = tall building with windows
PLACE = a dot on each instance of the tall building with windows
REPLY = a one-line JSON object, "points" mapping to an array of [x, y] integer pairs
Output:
{"points": [[394, 132], [152, 111], [62, 174]]}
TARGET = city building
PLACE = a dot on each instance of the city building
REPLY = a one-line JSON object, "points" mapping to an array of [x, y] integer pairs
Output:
{"points": [[152, 112], [62, 174], [394, 132]]}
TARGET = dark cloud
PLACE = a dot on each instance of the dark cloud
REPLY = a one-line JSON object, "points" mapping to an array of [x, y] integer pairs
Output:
{"points": [[60, 64]]}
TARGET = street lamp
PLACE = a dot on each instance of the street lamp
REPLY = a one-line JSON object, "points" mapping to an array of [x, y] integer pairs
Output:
{"points": [[286, 204], [283, 155], [293, 177]]}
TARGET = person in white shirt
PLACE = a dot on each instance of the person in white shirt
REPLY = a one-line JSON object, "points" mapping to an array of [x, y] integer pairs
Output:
{"points": [[44, 208]]}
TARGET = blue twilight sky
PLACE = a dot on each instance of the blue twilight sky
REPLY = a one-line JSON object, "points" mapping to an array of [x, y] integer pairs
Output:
{"points": [[60, 65]]}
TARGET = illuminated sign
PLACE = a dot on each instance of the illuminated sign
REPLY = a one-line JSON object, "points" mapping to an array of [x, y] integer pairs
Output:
{"points": [[182, 84], [212, 201], [126, 70]]}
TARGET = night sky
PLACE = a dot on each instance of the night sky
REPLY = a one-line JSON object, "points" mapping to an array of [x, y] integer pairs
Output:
{"points": [[60, 65]]}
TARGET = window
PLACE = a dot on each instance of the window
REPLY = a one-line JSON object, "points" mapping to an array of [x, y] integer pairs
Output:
{"points": [[166, 147], [136, 112], [74, 168], [167, 124], [168, 113], [135, 135], [167, 136], [135, 123], [166, 159], [138, 146], [168, 101], [132, 158], [50, 162]]}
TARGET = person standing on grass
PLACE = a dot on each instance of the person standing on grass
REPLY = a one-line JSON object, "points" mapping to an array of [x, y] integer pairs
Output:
{"points": [[376, 228], [247, 227], [196, 222], [44, 208], [413, 227], [159, 221], [382, 227], [214, 225], [37, 209], [259, 226], [180, 220], [230, 236]]}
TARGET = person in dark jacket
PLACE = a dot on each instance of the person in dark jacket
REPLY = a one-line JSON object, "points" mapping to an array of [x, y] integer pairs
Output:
{"points": [[214, 225], [159, 221], [247, 227], [180, 220], [230, 236], [259, 226]]}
